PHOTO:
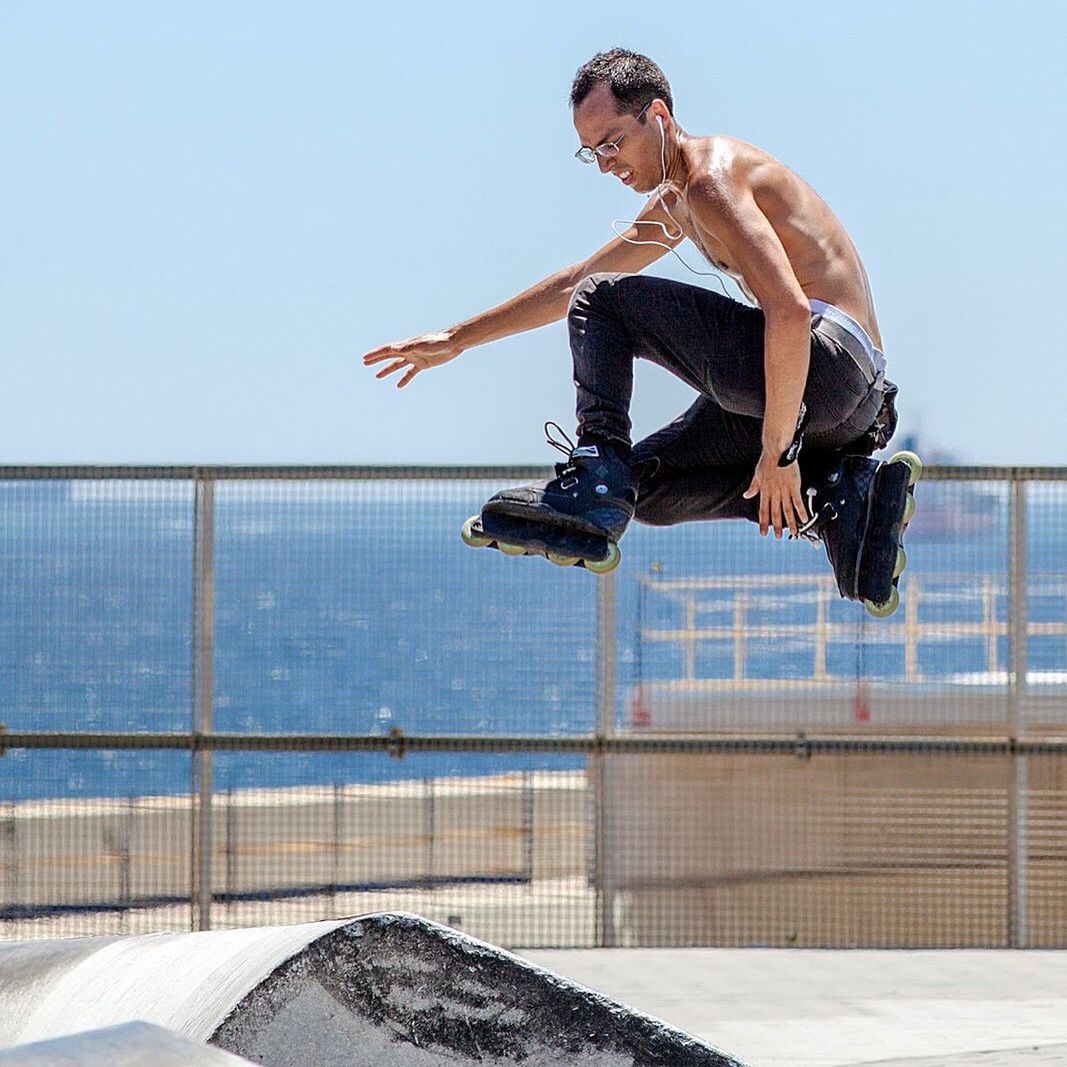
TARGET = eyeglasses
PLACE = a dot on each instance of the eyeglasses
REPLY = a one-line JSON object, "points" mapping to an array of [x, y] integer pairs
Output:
{"points": [[609, 149]]}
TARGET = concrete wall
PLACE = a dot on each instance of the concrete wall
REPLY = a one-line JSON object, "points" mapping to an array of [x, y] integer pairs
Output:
{"points": [[834, 850]]}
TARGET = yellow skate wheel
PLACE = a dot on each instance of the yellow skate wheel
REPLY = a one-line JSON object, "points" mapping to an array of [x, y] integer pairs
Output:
{"points": [[909, 510], [470, 537], [915, 465], [881, 611], [511, 550], [562, 561], [605, 565], [902, 562]]}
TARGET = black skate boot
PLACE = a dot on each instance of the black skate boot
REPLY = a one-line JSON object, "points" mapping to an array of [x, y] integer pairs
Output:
{"points": [[576, 518], [859, 510]]}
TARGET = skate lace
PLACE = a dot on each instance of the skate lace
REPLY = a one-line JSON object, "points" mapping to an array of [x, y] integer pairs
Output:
{"points": [[568, 470], [566, 446], [809, 530]]}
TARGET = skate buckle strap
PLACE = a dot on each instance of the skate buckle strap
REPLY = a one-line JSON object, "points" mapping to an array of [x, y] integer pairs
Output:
{"points": [[566, 472]]}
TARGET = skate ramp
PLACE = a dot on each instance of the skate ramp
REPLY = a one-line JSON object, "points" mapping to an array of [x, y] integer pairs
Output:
{"points": [[129, 1045], [388, 989]]}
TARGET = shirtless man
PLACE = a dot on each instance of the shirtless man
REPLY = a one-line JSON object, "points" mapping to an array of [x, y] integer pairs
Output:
{"points": [[802, 365]]}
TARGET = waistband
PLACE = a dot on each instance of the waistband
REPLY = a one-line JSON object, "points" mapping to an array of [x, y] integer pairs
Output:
{"points": [[834, 322]]}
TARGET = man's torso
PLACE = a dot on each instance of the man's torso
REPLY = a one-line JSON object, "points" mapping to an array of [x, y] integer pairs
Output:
{"points": [[819, 250]]}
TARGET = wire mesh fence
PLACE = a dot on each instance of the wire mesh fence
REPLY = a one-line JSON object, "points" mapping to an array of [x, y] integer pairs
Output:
{"points": [[236, 696]]}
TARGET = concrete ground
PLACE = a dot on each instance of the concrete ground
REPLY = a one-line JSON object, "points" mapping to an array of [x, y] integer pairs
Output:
{"points": [[799, 1008]]}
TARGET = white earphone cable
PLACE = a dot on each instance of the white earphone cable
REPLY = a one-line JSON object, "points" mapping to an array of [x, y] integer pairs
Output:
{"points": [[616, 223]]}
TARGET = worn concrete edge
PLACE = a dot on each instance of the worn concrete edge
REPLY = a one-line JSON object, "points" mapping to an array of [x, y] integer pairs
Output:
{"points": [[372, 938], [133, 1044]]}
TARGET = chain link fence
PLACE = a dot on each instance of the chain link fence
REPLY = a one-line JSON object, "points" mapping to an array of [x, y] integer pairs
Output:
{"points": [[234, 696]]}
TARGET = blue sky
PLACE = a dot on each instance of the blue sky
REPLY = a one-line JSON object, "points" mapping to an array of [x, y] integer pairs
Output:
{"points": [[211, 210]]}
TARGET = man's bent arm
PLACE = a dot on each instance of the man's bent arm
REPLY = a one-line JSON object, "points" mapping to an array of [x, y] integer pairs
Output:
{"points": [[737, 221], [733, 216]]}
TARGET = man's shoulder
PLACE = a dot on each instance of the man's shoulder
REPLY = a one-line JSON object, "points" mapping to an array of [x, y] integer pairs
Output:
{"points": [[716, 149], [725, 167]]}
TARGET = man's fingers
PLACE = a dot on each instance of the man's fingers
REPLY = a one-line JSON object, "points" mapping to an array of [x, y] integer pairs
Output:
{"points": [[783, 513], [798, 510], [412, 371], [769, 509], [390, 351], [392, 368], [798, 515]]}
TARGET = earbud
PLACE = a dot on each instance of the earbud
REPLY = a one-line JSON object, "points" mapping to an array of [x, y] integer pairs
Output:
{"points": [[659, 119]]}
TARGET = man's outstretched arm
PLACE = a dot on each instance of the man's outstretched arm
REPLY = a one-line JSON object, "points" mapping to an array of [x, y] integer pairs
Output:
{"points": [[539, 305]]}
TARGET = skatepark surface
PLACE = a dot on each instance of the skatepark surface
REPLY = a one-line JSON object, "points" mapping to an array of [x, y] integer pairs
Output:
{"points": [[800, 1008], [394, 989]]}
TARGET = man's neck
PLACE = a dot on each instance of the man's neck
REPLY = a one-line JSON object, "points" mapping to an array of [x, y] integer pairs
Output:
{"points": [[677, 164]]}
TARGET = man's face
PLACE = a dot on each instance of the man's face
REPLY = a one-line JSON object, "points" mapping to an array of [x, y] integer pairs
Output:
{"points": [[597, 121]]}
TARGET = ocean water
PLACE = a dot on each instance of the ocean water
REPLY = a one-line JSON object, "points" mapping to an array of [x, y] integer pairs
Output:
{"points": [[345, 607]]}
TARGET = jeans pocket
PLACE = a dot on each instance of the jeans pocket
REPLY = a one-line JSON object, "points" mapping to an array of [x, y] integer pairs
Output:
{"points": [[836, 386]]}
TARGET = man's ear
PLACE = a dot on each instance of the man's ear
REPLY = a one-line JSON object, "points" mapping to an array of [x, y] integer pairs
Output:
{"points": [[658, 110]]}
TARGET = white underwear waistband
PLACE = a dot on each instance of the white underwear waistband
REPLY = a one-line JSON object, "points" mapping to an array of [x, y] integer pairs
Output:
{"points": [[847, 322]]}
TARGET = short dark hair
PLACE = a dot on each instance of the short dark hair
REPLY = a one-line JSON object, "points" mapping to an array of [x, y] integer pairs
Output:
{"points": [[633, 78]]}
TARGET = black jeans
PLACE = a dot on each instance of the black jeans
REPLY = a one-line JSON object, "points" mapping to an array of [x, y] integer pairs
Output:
{"points": [[699, 466]]}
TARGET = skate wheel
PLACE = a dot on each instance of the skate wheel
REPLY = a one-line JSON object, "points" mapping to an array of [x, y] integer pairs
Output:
{"points": [[881, 611], [470, 537], [902, 562], [511, 550], [605, 565], [909, 510], [562, 561], [915, 465]]}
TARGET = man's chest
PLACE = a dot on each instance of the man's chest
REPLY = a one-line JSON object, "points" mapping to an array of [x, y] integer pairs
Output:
{"points": [[710, 247]]}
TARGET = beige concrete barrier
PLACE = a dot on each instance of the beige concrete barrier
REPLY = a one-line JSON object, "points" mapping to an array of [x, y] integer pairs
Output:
{"points": [[117, 853]]}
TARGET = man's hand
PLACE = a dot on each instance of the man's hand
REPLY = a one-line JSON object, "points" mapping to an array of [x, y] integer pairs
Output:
{"points": [[780, 502], [417, 354]]}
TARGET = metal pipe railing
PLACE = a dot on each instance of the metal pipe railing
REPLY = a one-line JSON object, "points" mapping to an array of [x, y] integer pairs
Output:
{"points": [[454, 472]]}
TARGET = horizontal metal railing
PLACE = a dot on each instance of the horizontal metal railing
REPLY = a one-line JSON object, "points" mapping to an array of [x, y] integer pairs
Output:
{"points": [[801, 744], [423, 472]]}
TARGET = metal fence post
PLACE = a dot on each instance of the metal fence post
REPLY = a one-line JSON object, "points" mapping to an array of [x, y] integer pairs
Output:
{"points": [[528, 826], [429, 808], [203, 651], [605, 727], [1018, 844], [338, 836]]}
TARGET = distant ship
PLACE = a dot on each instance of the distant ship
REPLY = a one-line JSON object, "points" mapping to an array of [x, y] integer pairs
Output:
{"points": [[950, 510]]}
